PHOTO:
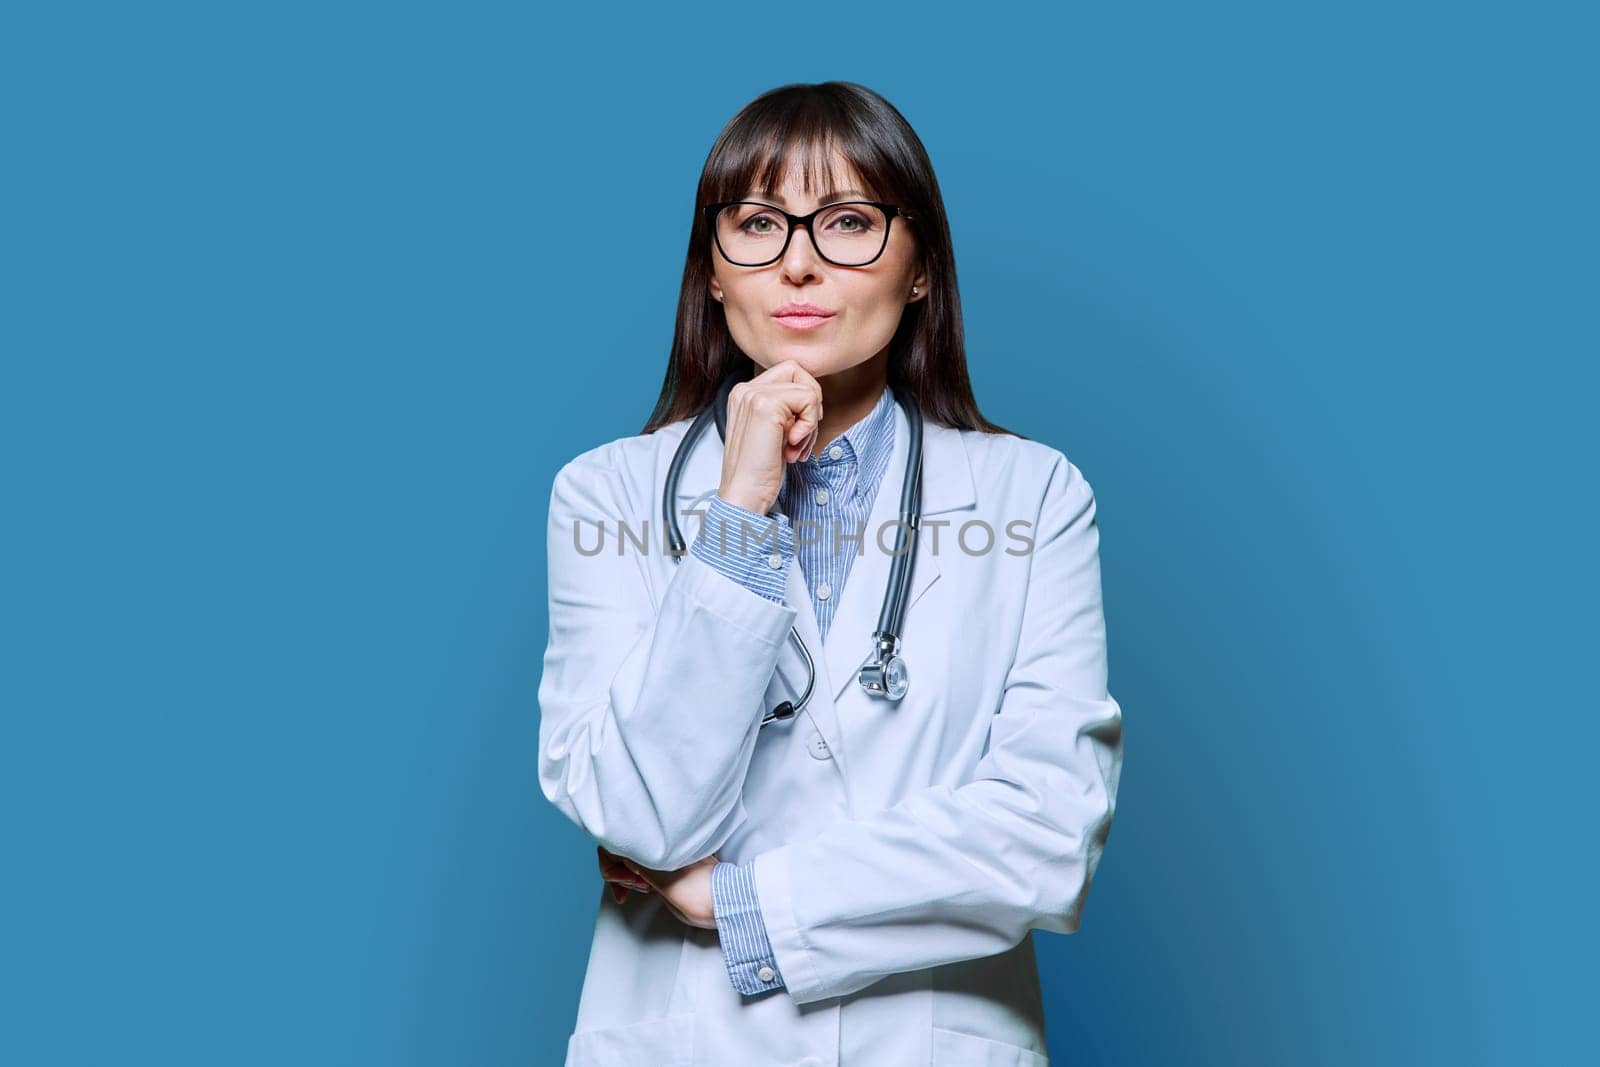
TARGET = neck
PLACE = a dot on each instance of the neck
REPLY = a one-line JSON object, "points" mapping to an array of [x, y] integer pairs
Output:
{"points": [[848, 396]]}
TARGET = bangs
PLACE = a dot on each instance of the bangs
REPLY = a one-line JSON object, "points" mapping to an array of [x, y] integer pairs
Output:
{"points": [[831, 152]]}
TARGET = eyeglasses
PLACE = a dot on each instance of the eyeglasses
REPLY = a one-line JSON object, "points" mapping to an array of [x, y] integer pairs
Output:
{"points": [[750, 233]]}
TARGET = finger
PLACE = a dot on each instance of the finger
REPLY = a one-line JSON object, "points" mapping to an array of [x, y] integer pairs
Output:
{"points": [[811, 443], [630, 882], [803, 426], [811, 404], [791, 400], [802, 415], [788, 370], [807, 422], [614, 868], [618, 893], [618, 873], [798, 449], [641, 873]]}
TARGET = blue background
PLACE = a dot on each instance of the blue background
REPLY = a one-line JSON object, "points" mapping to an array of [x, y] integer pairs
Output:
{"points": [[299, 321]]}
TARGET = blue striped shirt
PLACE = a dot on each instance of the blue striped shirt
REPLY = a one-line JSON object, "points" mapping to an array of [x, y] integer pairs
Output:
{"points": [[829, 498]]}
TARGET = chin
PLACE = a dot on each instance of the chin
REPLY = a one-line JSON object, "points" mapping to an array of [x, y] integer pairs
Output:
{"points": [[817, 359], [814, 361]]}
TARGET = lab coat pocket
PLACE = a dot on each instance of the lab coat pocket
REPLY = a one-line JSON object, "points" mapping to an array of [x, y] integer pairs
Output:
{"points": [[954, 1049], [667, 1040]]}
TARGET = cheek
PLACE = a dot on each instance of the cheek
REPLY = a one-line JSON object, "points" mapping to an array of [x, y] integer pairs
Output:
{"points": [[877, 312]]}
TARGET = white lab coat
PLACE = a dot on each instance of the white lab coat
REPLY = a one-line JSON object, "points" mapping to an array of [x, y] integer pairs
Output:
{"points": [[902, 852]]}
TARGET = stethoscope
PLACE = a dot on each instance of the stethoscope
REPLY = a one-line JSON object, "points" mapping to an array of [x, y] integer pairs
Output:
{"points": [[885, 674]]}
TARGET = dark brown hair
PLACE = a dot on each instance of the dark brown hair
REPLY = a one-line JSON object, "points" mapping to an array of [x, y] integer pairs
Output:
{"points": [[927, 353]]}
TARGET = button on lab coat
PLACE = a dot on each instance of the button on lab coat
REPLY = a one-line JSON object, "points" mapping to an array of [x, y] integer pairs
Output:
{"points": [[903, 853]]}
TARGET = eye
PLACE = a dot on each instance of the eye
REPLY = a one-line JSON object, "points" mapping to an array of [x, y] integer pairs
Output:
{"points": [[850, 221]]}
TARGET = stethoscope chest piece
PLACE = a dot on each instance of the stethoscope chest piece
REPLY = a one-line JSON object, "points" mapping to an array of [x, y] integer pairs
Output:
{"points": [[886, 675]]}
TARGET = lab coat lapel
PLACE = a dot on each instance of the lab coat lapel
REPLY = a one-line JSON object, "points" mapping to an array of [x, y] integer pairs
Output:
{"points": [[947, 485]]}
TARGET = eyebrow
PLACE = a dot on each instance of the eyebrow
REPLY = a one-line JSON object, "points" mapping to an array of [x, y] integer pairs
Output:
{"points": [[828, 197]]}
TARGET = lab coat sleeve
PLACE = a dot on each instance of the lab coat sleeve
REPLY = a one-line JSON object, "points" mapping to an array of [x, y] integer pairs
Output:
{"points": [[648, 716], [951, 873]]}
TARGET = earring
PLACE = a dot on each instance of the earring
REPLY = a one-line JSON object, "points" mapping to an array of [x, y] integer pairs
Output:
{"points": [[913, 290]]}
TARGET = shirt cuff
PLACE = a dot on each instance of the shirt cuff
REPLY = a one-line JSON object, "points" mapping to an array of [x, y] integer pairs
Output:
{"points": [[752, 968], [752, 549]]}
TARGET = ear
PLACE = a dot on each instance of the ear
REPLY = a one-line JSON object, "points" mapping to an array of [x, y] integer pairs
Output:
{"points": [[921, 284], [716, 290]]}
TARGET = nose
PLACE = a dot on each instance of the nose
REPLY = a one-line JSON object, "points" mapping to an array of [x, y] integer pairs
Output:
{"points": [[800, 260]]}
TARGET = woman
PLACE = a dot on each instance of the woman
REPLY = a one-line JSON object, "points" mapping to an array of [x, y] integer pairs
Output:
{"points": [[856, 883]]}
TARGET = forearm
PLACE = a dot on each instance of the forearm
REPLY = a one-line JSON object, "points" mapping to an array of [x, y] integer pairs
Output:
{"points": [[945, 875], [648, 719]]}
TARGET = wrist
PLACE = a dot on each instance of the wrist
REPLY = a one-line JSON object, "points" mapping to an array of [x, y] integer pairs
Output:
{"points": [[749, 501]]}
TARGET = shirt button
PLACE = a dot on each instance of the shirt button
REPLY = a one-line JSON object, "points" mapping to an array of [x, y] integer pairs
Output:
{"points": [[774, 561], [822, 496], [818, 747], [835, 452], [824, 591], [766, 974]]}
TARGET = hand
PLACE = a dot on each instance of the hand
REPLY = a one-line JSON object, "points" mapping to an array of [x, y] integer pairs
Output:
{"points": [[686, 892], [621, 878], [773, 420]]}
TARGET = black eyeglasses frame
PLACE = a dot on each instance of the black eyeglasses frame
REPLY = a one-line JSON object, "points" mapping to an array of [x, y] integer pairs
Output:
{"points": [[794, 222]]}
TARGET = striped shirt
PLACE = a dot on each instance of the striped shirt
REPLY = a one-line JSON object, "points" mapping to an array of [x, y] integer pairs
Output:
{"points": [[828, 499]]}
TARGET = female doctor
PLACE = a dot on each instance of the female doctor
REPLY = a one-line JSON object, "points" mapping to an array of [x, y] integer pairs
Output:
{"points": [[843, 792]]}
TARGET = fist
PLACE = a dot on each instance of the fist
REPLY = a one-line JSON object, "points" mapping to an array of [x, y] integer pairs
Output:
{"points": [[686, 892], [773, 421]]}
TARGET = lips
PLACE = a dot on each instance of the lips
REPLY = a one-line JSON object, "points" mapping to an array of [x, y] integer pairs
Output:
{"points": [[802, 316], [803, 322]]}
